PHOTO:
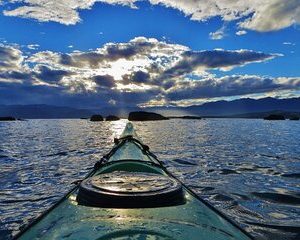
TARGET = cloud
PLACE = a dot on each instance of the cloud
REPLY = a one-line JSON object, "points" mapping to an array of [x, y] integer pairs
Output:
{"points": [[137, 77], [117, 59], [241, 32], [50, 75], [218, 35], [10, 57], [273, 15], [105, 81], [14, 77], [139, 72], [143, 61], [216, 59], [234, 85], [289, 43], [263, 16], [138, 47], [64, 12], [33, 46]]}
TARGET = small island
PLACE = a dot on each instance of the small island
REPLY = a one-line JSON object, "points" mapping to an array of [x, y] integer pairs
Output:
{"points": [[96, 118], [145, 116], [187, 117], [191, 117], [112, 118], [274, 117], [294, 118], [8, 119]]}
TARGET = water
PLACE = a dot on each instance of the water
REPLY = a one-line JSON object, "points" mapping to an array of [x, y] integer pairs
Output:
{"points": [[249, 169]]}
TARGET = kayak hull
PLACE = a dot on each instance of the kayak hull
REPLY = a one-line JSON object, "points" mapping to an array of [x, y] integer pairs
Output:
{"points": [[192, 219], [189, 221]]}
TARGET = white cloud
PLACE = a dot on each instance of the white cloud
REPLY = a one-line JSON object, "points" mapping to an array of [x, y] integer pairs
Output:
{"points": [[33, 46], [258, 15], [261, 15], [289, 43], [61, 11], [273, 15], [112, 102], [218, 35], [11, 57], [241, 32]]}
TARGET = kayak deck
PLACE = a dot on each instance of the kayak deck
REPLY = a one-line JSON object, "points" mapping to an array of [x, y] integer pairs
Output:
{"points": [[190, 220]]}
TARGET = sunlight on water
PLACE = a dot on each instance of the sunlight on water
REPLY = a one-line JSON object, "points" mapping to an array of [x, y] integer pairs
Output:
{"points": [[117, 127]]}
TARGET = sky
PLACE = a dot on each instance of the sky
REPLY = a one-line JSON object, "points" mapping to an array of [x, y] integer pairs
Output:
{"points": [[108, 53]]}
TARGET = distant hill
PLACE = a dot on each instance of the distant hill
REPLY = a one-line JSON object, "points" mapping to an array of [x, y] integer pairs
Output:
{"points": [[261, 115], [246, 108], [41, 111], [236, 107], [247, 105]]}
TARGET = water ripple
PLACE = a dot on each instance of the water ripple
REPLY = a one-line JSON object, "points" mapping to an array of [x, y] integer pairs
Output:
{"points": [[248, 169]]}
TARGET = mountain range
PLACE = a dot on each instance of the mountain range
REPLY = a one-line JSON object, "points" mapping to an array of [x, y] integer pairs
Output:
{"points": [[246, 107], [238, 107], [43, 111]]}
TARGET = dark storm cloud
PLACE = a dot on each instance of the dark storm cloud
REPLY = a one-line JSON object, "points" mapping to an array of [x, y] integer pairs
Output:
{"points": [[115, 52], [137, 77], [139, 45], [140, 77], [213, 60], [15, 75], [168, 84], [66, 59], [49, 75], [105, 81], [14, 93], [230, 86], [26, 93], [90, 59]]}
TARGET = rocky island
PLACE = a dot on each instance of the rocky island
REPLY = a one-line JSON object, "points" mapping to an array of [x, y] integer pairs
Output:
{"points": [[274, 117], [96, 118], [7, 119], [145, 116], [112, 118]]}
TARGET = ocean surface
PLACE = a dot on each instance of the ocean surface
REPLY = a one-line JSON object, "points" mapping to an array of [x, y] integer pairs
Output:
{"points": [[248, 169]]}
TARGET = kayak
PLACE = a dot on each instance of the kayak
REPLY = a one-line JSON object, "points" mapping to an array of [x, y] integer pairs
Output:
{"points": [[130, 195]]}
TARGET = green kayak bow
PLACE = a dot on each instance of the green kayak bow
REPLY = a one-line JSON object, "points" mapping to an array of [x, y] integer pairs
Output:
{"points": [[130, 195]]}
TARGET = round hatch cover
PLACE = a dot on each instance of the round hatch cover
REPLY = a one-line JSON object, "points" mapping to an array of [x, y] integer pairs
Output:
{"points": [[130, 190], [135, 234]]}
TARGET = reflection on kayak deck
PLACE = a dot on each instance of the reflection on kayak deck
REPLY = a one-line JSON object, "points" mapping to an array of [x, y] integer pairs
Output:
{"points": [[189, 221]]}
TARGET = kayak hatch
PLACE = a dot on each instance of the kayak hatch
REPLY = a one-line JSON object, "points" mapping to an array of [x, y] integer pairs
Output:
{"points": [[130, 195]]}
